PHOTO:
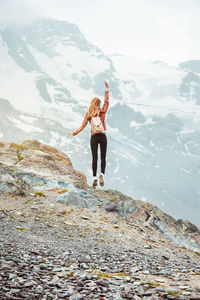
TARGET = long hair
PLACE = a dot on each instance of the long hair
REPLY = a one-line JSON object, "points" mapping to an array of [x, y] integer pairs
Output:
{"points": [[93, 108]]}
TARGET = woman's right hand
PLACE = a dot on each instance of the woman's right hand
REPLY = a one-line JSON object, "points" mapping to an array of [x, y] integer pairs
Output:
{"points": [[71, 133], [107, 86]]}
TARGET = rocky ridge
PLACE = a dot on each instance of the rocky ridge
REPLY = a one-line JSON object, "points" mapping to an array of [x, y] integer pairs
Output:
{"points": [[61, 239]]}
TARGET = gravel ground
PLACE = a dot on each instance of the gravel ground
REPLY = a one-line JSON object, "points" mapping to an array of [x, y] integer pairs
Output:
{"points": [[51, 251]]}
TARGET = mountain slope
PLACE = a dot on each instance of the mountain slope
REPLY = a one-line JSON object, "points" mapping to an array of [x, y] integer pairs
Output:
{"points": [[60, 238], [33, 167]]}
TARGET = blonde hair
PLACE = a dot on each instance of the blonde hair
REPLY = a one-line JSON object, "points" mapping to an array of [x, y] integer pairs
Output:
{"points": [[93, 108]]}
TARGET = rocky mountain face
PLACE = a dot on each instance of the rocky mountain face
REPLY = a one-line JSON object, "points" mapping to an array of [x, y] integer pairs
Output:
{"points": [[190, 86], [33, 167], [62, 239], [49, 72]]}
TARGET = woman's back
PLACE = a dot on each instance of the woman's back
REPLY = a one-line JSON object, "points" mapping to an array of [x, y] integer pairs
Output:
{"points": [[98, 137]]}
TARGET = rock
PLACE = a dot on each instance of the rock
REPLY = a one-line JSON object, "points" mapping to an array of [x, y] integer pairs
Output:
{"points": [[116, 205], [75, 297], [68, 223], [164, 272], [84, 266], [76, 199], [85, 217], [113, 221], [145, 272], [83, 277], [170, 290], [91, 284], [135, 269]]}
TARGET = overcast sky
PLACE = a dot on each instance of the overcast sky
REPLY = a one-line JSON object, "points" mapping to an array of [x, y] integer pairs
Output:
{"points": [[167, 30]]}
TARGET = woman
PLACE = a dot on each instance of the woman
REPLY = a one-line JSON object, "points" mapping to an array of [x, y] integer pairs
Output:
{"points": [[94, 110]]}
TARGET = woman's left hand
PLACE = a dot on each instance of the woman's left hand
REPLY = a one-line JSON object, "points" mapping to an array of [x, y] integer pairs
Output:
{"points": [[71, 133], [106, 84]]}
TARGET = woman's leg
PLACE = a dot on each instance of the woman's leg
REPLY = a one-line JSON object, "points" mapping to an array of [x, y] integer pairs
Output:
{"points": [[103, 147], [94, 149]]}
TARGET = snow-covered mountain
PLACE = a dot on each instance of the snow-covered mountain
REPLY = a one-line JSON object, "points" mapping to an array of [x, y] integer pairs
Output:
{"points": [[48, 74]]}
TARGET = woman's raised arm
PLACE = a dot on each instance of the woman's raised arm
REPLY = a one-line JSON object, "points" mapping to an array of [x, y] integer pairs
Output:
{"points": [[106, 101]]}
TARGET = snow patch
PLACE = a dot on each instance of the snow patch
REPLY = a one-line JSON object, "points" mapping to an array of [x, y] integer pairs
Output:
{"points": [[144, 199], [116, 169], [28, 119], [24, 126], [17, 85], [134, 124]]}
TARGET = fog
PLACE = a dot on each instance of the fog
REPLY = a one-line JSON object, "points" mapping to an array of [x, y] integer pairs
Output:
{"points": [[144, 29]]}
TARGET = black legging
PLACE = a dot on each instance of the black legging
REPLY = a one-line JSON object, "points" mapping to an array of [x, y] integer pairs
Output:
{"points": [[98, 138]]}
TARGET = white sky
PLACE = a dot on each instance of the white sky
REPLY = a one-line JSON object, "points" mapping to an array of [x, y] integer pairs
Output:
{"points": [[167, 30]]}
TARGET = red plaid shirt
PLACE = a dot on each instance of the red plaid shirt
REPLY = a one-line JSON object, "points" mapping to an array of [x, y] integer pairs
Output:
{"points": [[102, 115]]}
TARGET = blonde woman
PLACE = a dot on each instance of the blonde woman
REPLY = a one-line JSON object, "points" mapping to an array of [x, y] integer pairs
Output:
{"points": [[94, 110]]}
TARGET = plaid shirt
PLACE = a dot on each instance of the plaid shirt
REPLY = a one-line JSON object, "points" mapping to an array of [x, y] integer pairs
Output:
{"points": [[102, 115]]}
